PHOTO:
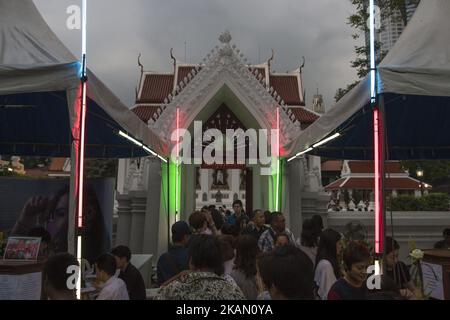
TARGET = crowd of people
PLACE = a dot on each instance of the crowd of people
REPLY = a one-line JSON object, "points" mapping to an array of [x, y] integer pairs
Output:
{"points": [[234, 255], [238, 256]]}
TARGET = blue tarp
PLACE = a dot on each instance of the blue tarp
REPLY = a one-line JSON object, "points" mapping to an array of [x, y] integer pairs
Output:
{"points": [[416, 127], [37, 124]]}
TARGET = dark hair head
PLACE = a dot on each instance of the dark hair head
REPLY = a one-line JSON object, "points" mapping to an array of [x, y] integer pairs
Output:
{"points": [[197, 220], [308, 235], [96, 234], [55, 270], [317, 224], [246, 252], [391, 245], [327, 249], [282, 268], [107, 263], [355, 252], [230, 229], [268, 216], [275, 215], [226, 243], [317, 221], [239, 202], [252, 215], [179, 230], [204, 253], [122, 252], [217, 218], [40, 233], [446, 232]]}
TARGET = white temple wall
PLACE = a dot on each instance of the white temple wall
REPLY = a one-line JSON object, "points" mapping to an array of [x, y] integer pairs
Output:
{"points": [[425, 228]]}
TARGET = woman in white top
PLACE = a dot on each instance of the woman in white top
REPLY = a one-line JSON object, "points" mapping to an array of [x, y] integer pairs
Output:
{"points": [[327, 269]]}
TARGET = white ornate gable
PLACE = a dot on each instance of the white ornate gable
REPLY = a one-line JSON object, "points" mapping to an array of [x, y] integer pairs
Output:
{"points": [[225, 65]]}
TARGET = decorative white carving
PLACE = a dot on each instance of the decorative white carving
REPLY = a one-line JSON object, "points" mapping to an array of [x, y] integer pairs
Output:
{"points": [[132, 167], [226, 66]]}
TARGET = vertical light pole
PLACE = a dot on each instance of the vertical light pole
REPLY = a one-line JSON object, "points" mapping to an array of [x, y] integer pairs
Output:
{"points": [[177, 172], [81, 144], [378, 140], [278, 174]]}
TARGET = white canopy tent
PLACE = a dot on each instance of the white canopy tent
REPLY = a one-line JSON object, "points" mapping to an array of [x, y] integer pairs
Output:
{"points": [[40, 96], [414, 80]]}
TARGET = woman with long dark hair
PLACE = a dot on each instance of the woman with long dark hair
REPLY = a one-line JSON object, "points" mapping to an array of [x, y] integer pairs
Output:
{"points": [[244, 272], [309, 240], [327, 269], [53, 214]]}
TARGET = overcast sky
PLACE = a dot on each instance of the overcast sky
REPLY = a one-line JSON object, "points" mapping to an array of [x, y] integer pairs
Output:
{"points": [[118, 30]]}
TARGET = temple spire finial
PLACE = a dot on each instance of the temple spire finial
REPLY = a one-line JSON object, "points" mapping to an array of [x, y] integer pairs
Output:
{"points": [[269, 62], [303, 64], [140, 64], [225, 37]]}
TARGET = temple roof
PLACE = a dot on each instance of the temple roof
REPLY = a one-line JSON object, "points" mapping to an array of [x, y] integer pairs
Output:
{"points": [[155, 88], [360, 175], [368, 184]]}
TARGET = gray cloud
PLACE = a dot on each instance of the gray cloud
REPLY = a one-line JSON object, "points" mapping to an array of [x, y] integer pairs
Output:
{"points": [[119, 30]]}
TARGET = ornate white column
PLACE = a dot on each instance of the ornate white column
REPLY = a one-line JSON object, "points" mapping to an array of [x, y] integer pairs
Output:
{"points": [[138, 204], [124, 223], [259, 187], [188, 193], [295, 184], [152, 211], [121, 175], [137, 195]]}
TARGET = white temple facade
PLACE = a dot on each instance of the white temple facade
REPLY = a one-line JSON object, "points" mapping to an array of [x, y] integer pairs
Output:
{"points": [[223, 92]]}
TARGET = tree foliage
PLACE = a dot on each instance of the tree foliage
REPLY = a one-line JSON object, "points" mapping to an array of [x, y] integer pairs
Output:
{"points": [[358, 21], [435, 172]]}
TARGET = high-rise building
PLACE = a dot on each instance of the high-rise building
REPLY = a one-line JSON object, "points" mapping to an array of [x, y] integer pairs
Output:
{"points": [[393, 26], [318, 104], [410, 9]]}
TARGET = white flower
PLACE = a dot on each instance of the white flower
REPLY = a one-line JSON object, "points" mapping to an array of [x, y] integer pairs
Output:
{"points": [[416, 254]]}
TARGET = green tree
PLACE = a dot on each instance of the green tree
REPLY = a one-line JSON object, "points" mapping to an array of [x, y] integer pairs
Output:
{"points": [[358, 21], [435, 172], [101, 168]]}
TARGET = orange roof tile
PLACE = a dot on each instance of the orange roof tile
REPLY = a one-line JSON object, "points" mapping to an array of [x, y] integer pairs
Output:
{"points": [[304, 116], [368, 184], [145, 112], [288, 89], [332, 165], [57, 164], [183, 72], [156, 88], [368, 167]]}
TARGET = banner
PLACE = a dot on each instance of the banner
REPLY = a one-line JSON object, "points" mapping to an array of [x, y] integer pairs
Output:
{"points": [[26, 204]]}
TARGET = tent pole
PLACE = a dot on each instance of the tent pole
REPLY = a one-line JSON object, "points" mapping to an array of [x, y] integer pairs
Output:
{"points": [[378, 150], [168, 203], [383, 133], [81, 148]]}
